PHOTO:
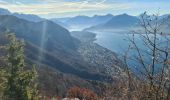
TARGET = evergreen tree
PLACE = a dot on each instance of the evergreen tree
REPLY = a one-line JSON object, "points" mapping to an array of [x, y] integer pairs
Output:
{"points": [[20, 82], [2, 82]]}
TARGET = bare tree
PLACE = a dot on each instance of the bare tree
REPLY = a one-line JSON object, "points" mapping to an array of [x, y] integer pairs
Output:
{"points": [[148, 52]]}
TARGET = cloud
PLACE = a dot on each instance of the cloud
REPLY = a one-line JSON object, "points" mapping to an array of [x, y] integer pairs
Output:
{"points": [[3, 2], [54, 6], [71, 7]]}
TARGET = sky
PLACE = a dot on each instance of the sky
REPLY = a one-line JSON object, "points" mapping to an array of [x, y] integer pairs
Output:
{"points": [[68, 8]]}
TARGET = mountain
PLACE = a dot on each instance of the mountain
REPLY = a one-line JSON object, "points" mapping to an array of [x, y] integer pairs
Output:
{"points": [[60, 23], [35, 30], [118, 22], [84, 36], [78, 20], [63, 20], [82, 22], [101, 19], [4, 12], [63, 61], [29, 17], [96, 19], [123, 20]]}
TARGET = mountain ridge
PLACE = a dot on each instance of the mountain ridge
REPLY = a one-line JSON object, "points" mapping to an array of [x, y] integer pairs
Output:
{"points": [[60, 50], [82, 22], [29, 17], [118, 21]]}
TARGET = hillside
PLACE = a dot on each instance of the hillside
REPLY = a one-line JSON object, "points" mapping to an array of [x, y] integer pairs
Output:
{"points": [[4, 12], [61, 58]]}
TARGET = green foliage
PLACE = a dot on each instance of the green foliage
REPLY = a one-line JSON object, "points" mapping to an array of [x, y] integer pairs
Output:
{"points": [[3, 81], [20, 82]]}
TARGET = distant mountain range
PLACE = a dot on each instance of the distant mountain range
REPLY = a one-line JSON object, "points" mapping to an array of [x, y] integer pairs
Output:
{"points": [[29, 17], [123, 20], [105, 22], [82, 22], [117, 22], [79, 23]]}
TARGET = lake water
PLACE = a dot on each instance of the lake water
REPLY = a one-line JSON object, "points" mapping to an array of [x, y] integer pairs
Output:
{"points": [[118, 42], [114, 41]]}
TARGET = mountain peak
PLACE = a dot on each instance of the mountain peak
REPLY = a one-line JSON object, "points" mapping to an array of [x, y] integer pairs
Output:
{"points": [[29, 17], [4, 11], [81, 16], [124, 15], [109, 14]]}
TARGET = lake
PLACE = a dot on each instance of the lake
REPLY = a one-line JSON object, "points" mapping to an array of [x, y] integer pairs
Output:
{"points": [[117, 42]]}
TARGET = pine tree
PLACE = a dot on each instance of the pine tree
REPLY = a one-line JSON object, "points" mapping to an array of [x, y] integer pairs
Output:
{"points": [[20, 82], [2, 82]]}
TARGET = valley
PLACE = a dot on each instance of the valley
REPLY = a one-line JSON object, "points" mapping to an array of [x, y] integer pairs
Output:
{"points": [[96, 56], [76, 59]]}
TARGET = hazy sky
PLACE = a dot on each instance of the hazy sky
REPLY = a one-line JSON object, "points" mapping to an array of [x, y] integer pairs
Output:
{"points": [[66, 8]]}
